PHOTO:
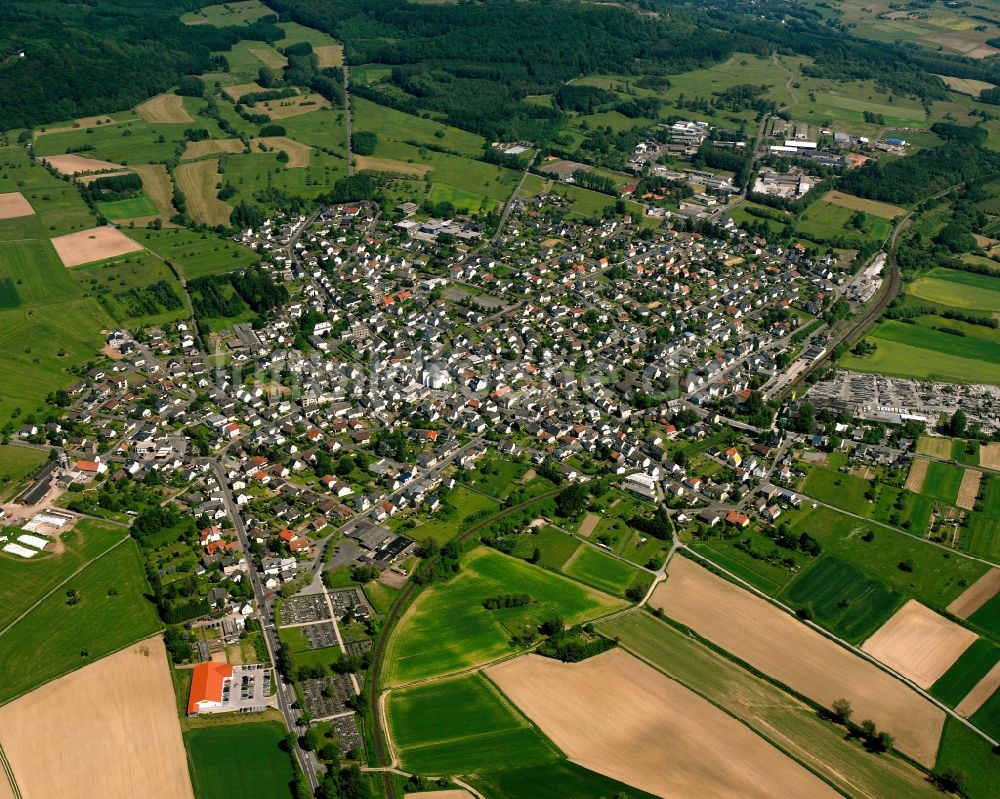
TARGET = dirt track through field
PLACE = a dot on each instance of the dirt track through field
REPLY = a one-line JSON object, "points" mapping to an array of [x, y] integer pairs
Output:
{"points": [[158, 187], [166, 108], [989, 456], [919, 643], [75, 164], [96, 244], [619, 717], [13, 205], [779, 645], [976, 595], [198, 182], [969, 489], [915, 479], [980, 692], [107, 730]]}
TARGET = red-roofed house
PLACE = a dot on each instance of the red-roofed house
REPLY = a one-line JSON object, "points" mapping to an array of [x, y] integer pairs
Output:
{"points": [[208, 681]]}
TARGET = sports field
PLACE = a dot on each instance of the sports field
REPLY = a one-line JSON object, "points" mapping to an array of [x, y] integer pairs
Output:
{"points": [[447, 629], [113, 726], [621, 718], [241, 760], [462, 725], [110, 611], [843, 598], [787, 650]]}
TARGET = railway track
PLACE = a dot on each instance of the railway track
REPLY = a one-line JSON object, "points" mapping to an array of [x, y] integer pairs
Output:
{"points": [[395, 612]]}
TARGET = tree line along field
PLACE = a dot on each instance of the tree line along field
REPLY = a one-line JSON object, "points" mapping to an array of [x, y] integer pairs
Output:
{"points": [[447, 629]]}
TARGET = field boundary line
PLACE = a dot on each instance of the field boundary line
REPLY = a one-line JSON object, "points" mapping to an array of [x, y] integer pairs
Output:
{"points": [[732, 715], [55, 588], [9, 773], [122, 648], [845, 644]]}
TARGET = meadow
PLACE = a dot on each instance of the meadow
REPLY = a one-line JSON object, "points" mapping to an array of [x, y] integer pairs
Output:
{"points": [[969, 669], [16, 465], [195, 254], [240, 12], [447, 629], [965, 290], [559, 778], [462, 725], [904, 360], [128, 209], [987, 718], [778, 717], [242, 760], [554, 546], [965, 751], [603, 572], [24, 582], [988, 617], [121, 286], [942, 481], [824, 221], [843, 598], [56, 637]]}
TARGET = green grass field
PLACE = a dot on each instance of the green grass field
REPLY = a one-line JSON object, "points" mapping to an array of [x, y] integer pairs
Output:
{"points": [[844, 599], [447, 629], [775, 715], [987, 718], [24, 582], [240, 12], [944, 287], [555, 546], [128, 209], [195, 254], [131, 142], [969, 669], [121, 286], [825, 220], [962, 749], [17, 464], [937, 578], [600, 570], [388, 123], [982, 537], [902, 360], [546, 780], [112, 612], [241, 760], [988, 617], [942, 481], [462, 725], [939, 342]]}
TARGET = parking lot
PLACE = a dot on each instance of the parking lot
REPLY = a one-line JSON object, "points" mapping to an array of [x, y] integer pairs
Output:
{"points": [[304, 610]]}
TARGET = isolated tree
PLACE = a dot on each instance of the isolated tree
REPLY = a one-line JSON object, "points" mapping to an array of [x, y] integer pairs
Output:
{"points": [[952, 780], [842, 710]]}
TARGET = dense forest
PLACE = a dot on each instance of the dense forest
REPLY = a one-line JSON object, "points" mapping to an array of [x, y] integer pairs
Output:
{"points": [[101, 56]]}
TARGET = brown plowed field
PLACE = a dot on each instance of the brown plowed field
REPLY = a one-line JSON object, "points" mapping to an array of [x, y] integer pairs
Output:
{"points": [[617, 716], [107, 730], [777, 644]]}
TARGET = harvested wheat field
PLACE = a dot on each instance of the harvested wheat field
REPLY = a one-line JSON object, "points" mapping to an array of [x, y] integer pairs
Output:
{"points": [[95, 244], [196, 149], [290, 106], [298, 153], [158, 187], [109, 729], [619, 717], [969, 489], [915, 479], [237, 90], [976, 595], [968, 86], [330, 55], [390, 165], [75, 164], [165, 108], [980, 692], [13, 205], [884, 210], [198, 182], [989, 456], [919, 643], [779, 645]]}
